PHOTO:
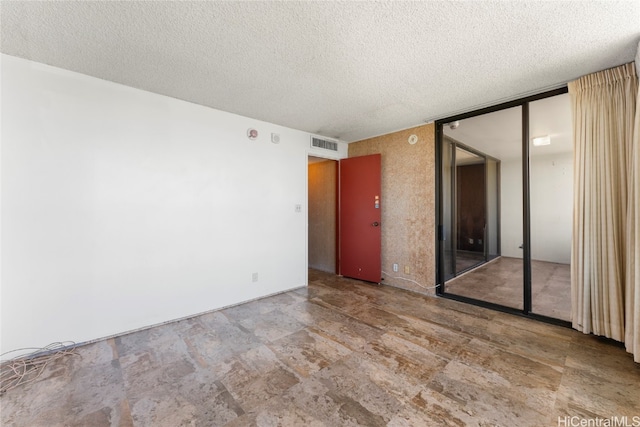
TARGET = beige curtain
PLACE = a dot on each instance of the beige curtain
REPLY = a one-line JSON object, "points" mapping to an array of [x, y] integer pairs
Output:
{"points": [[632, 294], [604, 111]]}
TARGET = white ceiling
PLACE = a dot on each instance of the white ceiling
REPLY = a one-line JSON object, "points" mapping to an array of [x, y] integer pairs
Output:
{"points": [[499, 134], [348, 70]]}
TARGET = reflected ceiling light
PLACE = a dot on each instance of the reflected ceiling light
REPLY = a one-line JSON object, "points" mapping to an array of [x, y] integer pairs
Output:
{"points": [[541, 140], [454, 125]]}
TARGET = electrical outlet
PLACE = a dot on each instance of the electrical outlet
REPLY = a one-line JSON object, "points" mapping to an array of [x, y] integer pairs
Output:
{"points": [[254, 277], [298, 208], [407, 270], [395, 267]]}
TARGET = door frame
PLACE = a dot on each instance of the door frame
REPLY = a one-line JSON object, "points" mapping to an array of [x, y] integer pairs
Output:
{"points": [[526, 218]]}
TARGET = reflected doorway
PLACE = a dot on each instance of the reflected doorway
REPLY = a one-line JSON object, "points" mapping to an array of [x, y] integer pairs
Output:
{"points": [[471, 231], [471, 210]]}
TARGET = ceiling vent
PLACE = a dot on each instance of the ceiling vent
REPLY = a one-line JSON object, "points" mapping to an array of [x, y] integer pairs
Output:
{"points": [[324, 144]]}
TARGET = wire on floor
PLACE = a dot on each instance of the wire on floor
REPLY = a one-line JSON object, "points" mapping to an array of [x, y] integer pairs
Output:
{"points": [[410, 280], [26, 368]]}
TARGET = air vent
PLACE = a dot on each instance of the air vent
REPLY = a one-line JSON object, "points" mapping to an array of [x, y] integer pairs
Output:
{"points": [[324, 144]]}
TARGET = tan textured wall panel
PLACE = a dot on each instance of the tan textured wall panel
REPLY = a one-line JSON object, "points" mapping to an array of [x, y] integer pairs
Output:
{"points": [[408, 205], [322, 215]]}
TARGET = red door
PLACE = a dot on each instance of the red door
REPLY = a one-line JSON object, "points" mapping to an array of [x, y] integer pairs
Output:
{"points": [[359, 218]]}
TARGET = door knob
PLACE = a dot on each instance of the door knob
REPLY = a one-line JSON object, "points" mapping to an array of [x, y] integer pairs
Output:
{"points": [[375, 224]]}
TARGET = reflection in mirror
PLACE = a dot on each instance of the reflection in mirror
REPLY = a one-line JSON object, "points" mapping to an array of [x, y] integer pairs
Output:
{"points": [[470, 210], [483, 212], [551, 195], [483, 184], [448, 166]]}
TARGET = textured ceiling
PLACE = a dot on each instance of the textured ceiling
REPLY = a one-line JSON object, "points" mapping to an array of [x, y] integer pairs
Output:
{"points": [[349, 70]]}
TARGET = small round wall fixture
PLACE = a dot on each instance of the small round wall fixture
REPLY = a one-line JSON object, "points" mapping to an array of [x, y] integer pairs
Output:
{"points": [[413, 139], [252, 133]]}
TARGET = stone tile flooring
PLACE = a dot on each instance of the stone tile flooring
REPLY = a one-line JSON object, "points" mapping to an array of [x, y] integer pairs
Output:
{"points": [[338, 353], [500, 282]]}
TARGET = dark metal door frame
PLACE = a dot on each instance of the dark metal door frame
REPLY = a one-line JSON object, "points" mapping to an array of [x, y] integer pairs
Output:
{"points": [[526, 205]]}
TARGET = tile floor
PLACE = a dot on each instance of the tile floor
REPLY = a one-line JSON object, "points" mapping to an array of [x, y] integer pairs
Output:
{"points": [[338, 353], [464, 261], [500, 282]]}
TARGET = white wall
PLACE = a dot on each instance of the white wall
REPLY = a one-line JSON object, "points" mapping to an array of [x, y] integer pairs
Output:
{"points": [[493, 223], [551, 207], [122, 208], [511, 208], [551, 199]]}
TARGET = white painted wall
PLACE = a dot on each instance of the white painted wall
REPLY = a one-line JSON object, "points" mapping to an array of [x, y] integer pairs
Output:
{"points": [[511, 208], [551, 207], [122, 208], [493, 223], [551, 189]]}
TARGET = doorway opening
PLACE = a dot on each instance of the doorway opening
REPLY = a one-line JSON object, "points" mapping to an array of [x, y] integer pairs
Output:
{"points": [[323, 214], [344, 220], [470, 191]]}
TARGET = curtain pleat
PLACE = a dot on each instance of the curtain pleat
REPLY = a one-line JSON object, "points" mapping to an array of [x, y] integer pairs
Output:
{"points": [[604, 110], [632, 291]]}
